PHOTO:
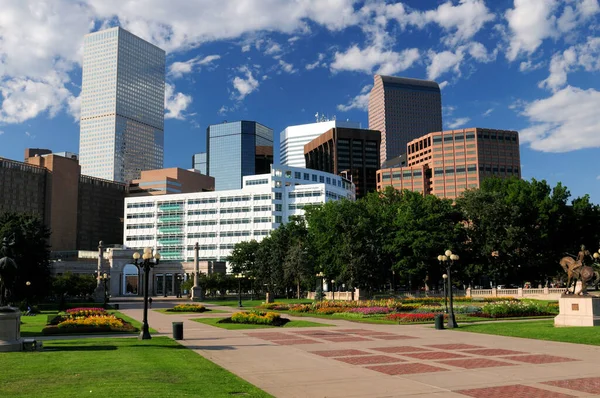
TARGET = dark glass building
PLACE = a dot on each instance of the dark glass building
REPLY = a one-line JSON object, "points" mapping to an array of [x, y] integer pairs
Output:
{"points": [[351, 153], [238, 149]]}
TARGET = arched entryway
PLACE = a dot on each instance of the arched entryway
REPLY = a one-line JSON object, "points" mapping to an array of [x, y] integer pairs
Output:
{"points": [[131, 280]]}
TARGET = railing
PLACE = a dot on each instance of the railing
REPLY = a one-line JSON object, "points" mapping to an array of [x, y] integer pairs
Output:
{"points": [[548, 293]]}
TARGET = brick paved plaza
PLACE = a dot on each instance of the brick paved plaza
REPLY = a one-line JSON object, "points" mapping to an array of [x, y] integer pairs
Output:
{"points": [[368, 360]]}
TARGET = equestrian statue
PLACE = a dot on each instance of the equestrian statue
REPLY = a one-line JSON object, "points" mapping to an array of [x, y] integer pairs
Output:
{"points": [[8, 269], [577, 269]]}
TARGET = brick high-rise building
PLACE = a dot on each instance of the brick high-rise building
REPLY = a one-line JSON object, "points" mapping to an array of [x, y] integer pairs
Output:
{"points": [[403, 109], [352, 153], [446, 163]]}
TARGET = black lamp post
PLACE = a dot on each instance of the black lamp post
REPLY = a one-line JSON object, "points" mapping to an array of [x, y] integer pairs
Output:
{"points": [[445, 276], [105, 278], [239, 277], [321, 275], [27, 288], [333, 289], [178, 287], [147, 265], [448, 259]]}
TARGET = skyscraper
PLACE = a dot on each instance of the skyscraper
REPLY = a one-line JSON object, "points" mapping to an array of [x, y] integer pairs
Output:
{"points": [[122, 106], [293, 139], [199, 162], [403, 109], [238, 149]]}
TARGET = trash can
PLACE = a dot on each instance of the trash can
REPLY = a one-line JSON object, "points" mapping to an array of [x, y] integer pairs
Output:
{"points": [[439, 321], [178, 330]]}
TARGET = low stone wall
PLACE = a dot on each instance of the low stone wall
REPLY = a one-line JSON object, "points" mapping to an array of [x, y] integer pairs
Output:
{"points": [[343, 296], [545, 293]]}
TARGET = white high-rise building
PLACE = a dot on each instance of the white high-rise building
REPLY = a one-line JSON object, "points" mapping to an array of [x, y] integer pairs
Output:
{"points": [[293, 139], [218, 220], [122, 106]]}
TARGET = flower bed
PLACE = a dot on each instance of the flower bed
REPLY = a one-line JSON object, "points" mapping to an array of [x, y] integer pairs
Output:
{"points": [[371, 310], [256, 318], [85, 312], [86, 320], [188, 308], [410, 318], [506, 309]]}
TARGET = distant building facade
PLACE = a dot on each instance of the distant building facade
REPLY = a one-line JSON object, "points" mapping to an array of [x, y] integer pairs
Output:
{"points": [[447, 163], [122, 106], [199, 162], [170, 181], [218, 220], [353, 153], [403, 109], [238, 149], [293, 138], [79, 210]]}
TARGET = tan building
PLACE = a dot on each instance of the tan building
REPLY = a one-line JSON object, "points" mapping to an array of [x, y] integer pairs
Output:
{"points": [[446, 163], [403, 109], [352, 153], [78, 210], [173, 180]]}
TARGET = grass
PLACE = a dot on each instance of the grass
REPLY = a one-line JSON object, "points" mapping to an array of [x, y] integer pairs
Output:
{"points": [[252, 303], [32, 325], [540, 330], [166, 311], [239, 326], [118, 367]]}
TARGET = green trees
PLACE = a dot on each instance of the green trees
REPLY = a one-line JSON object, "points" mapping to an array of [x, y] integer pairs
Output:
{"points": [[31, 253], [507, 231]]}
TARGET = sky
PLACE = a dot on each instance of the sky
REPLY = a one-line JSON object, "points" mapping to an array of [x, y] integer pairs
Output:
{"points": [[526, 65]]}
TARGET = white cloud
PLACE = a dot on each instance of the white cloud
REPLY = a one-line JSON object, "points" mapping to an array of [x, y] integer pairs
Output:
{"points": [[1, 132], [488, 112], [316, 63], [288, 68], [533, 21], [566, 121], [462, 21], [223, 110], [245, 86], [458, 122], [178, 69], [443, 62], [443, 84], [529, 65], [293, 39], [246, 48], [361, 101], [448, 110], [274, 48], [586, 55], [175, 103], [374, 58]]}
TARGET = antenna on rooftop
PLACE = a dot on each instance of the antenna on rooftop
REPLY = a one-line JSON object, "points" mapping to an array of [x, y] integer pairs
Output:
{"points": [[317, 117]]}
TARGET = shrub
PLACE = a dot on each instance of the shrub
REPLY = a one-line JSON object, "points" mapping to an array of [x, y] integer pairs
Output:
{"points": [[188, 308], [275, 306], [257, 318], [85, 312], [506, 309]]}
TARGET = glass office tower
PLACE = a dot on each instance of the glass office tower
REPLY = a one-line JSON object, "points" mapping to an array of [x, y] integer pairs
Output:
{"points": [[199, 162], [238, 149], [122, 106]]}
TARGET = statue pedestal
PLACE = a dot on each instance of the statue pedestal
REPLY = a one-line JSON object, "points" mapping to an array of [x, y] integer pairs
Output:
{"points": [[197, 293], [10, 331], [578, 311]]}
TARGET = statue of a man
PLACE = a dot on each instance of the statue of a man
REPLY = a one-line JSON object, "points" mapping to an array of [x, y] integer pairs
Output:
{"points": [[582, 256], [7, 269]]}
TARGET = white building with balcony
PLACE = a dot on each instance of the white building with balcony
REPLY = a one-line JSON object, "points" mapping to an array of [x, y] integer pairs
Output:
{"points": [[218, 220]]}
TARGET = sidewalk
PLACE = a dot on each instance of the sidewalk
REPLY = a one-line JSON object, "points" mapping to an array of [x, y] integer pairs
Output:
{"points": [[366, 360]]}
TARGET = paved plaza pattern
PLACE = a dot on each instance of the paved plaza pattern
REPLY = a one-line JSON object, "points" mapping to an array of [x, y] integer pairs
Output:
{"points": [[367, 360]]}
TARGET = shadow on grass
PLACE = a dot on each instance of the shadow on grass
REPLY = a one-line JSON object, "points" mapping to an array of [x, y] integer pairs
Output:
{"points": [[82, 348]]}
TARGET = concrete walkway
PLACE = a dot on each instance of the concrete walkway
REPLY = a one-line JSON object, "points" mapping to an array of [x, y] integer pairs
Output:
{"points": [[366, 360]]}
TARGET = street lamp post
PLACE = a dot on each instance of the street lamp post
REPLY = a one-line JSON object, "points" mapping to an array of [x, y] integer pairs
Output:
{"points": [[178, 287], [27, 288], [333, 289], [105, 278], [448, 259], [321, 275], [239, 277], [147, 265], [252, 278], [445, 276]]}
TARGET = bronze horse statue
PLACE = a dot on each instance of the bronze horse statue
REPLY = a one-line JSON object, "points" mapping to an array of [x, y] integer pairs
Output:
{"points": [[577, 270]]}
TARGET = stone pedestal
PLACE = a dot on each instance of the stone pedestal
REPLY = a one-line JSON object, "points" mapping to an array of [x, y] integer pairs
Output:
{"points": [[10, 331], [197, 293], [578, 311], [269, 298]]}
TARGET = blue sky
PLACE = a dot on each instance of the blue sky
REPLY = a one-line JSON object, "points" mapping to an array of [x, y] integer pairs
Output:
{"points": [[527, 65]]}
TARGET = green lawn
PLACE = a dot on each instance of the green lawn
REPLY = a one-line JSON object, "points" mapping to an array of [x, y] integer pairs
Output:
{"points": [[208, 311], [238, 326], [32, 325], [540, 330], [117, 367], [252, 303]]}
